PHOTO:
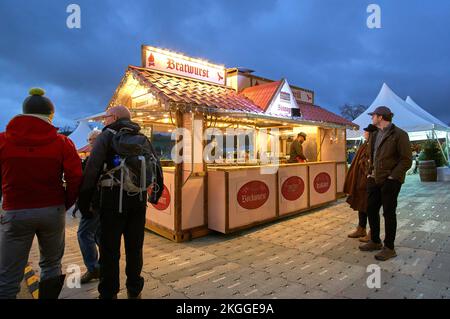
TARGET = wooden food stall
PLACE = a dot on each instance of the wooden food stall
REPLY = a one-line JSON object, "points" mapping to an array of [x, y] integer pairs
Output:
{"points": [[224, 137]]}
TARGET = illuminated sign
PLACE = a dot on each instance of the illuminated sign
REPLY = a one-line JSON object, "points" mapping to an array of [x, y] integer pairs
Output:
{"points": [[168, 61]]}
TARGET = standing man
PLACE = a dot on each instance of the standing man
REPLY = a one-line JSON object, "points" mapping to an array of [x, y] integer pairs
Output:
{"points": [[88, 230], [125, 217], [389, 160], [34, 158], [296, 153]]}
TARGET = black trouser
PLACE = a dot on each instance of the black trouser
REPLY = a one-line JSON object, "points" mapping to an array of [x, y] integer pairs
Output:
{"points": [[383, 195], [130, 223], [362, 216]]}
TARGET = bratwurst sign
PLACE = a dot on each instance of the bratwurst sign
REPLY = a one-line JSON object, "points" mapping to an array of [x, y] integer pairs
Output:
{"points": [[171, 62]]}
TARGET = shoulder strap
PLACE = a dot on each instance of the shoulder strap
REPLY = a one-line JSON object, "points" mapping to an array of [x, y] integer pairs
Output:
{"points": [[112, 131]]}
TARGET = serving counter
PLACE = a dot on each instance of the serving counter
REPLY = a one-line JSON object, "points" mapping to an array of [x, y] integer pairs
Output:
{"points": [[190, 220], [241, 197]]}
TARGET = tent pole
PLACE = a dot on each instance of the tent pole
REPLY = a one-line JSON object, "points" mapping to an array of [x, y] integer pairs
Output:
{"points": [[440, 146], [448, 146]]}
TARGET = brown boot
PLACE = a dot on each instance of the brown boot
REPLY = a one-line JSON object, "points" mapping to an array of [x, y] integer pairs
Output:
{"points": [[366, 238], [371, 246], [359, 232], [386, 254]]}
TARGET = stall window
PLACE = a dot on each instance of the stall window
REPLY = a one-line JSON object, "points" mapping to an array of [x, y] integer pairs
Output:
{"points": [[163, 144]]}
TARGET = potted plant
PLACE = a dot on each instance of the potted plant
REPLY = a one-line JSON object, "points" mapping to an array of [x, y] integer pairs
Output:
{"points": [[430, 159]]}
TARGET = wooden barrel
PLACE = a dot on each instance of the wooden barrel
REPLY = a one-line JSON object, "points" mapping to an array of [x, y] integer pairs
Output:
{"points": [[428, 171]]}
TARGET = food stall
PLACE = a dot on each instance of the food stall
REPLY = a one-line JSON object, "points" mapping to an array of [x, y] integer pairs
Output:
{"points": [[189, 107]]}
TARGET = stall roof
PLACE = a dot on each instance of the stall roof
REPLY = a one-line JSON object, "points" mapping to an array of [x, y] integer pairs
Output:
{"points": [[180, 89], [253, 101], [262, 94], [316, 113]]}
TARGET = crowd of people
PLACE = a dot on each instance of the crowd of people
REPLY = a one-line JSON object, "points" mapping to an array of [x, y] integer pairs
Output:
{"points": [[42, 177]]}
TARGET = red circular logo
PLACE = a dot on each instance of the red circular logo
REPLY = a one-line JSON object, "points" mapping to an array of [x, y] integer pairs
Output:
{"points": [[293, 188], [253, 195], [164, 200], [322, 183]]}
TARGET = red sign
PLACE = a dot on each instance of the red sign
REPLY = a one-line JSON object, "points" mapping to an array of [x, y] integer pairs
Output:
{"points": [[322, 183], [253, 195], [164, 200], [293, 188]]}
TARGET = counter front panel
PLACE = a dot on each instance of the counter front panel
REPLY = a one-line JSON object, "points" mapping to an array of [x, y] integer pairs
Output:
{"points": [[163, 213], [292, 189], [252, 197], [341, 172], [240, 197], [322, 181]]}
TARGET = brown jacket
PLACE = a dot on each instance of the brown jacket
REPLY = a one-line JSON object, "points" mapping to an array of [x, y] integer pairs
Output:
{"points": [[394, 155], [356, 180], [296, 152]]}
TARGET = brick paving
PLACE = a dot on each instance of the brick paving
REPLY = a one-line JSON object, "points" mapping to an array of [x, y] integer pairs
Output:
{"points": [[306, 256]]}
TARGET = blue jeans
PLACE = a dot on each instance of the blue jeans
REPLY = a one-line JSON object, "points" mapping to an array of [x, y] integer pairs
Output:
{"points": [[88, 239]]}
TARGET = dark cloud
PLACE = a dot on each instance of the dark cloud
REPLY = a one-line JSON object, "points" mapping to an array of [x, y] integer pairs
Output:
{"points": [[322, 45]]}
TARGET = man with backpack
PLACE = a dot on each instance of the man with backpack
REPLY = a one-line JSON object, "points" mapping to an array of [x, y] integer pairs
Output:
{"points": [[121, 167]]}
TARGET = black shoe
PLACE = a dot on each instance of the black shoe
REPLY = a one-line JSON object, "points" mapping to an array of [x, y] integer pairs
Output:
{"points": [[89, 276], [103, 297], [51, 288], [131, 296]]}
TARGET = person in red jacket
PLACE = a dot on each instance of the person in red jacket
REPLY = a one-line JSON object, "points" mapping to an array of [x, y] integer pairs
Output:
{"points": [[40, 178]]}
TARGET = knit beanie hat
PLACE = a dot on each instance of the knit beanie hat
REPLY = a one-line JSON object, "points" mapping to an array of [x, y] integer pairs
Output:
{"points": [[37, 103]]}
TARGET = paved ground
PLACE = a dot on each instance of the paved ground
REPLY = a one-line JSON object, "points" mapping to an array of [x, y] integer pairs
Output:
{"points": [[307, 256]]}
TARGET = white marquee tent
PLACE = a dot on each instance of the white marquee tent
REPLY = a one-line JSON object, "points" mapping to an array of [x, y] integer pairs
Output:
{"points": [[440, 131], [408, 115], [80, 135]]}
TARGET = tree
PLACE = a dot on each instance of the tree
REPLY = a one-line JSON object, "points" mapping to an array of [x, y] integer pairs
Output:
{"points": [[352, 111], [432, 151]]}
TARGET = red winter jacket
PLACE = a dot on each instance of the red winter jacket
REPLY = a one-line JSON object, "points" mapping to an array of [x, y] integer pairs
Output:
{"points": [[33, 159]]}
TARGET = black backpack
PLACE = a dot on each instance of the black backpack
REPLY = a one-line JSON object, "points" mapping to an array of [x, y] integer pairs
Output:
{"points": [[138, 168]]}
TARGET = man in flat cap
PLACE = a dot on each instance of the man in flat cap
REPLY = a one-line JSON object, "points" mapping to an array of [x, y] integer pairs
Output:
{"points": [[389, 154], [296, 153]]}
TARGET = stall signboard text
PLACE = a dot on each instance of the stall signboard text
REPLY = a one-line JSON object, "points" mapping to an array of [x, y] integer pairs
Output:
{"points": [[283, 102], [322, 183], [293, 188], [170, 62], [253, 195], [303, 95]]}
